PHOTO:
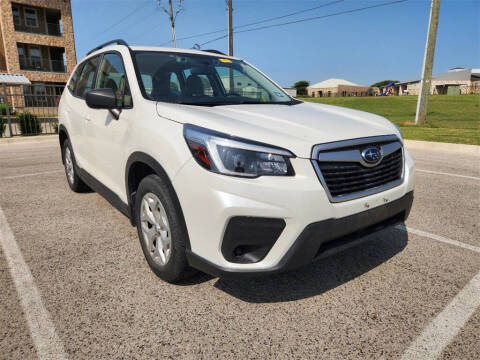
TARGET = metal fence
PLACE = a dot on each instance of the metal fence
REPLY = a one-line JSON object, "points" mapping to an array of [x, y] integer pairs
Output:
{"points": [[29, 109]]}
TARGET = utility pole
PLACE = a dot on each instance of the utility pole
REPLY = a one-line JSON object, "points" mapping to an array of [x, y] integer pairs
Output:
{"points": [[230, 44], [172, 14], [172, 22], [230, 28], [425, 82]]}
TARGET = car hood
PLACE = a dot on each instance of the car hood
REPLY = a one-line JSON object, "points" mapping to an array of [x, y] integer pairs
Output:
{"points": [[294, 127]]}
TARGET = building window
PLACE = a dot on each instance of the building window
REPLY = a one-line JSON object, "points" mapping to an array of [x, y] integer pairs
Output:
{"points": [[35, 57], [16, 15], [21, 54], [31, 17]]}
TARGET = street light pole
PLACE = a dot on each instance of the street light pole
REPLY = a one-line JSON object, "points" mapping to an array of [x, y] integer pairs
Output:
{"points": [[426, 80]]}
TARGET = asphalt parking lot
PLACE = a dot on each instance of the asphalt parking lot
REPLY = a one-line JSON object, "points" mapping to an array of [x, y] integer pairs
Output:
{"points": [[74, 283]]}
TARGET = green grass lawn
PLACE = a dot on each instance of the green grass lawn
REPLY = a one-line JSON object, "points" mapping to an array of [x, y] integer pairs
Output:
{"points": [[453, 119]]}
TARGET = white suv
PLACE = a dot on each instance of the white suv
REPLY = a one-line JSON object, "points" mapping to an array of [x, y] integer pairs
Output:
{"points": [[219, 168]]}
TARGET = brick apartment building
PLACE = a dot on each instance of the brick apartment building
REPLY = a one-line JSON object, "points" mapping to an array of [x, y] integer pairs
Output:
{"points": [[36, 40]]}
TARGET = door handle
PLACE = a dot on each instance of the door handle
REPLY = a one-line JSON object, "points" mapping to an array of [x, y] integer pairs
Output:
{"points": [[88, 118]]}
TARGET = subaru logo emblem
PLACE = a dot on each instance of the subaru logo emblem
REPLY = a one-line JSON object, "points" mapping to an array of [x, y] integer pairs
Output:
{"points": [[372, 156]]}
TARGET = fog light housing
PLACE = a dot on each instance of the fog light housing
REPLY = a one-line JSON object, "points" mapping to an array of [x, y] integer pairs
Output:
{"points": [[249, 239]]}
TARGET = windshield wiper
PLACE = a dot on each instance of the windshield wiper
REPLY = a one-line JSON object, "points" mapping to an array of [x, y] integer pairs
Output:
{"points": [[291, 102], [194, 103], [239, 102]]}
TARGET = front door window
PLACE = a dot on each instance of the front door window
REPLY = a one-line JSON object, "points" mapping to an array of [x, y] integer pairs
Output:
{"points": [[112, 76], [85, 82]]}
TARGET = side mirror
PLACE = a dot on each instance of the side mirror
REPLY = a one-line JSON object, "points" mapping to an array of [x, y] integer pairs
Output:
{"points": [[103, 99]]}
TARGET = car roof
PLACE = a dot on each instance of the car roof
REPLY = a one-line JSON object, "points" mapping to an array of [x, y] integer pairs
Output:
{"points": [[162, 49]]}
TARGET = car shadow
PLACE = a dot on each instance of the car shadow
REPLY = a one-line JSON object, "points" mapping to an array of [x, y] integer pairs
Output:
{"points": [[321, 276]]}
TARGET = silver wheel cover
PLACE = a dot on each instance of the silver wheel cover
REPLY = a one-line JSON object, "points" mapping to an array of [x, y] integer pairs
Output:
{"points": [[155, 229], [69, 166]]}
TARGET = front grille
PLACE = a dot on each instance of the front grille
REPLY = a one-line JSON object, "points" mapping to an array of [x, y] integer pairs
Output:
{"points": [[344, 178], [346, 175]]}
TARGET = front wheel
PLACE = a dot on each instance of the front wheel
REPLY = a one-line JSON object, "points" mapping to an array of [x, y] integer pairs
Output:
{"points": [[161, 229], [74, 181]]}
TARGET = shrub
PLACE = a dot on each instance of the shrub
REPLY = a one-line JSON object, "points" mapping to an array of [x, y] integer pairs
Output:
{"points": [[3, 109], [28, 123]]}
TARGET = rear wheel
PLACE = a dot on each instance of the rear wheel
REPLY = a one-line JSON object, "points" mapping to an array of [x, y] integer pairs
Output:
{"points": [[74, 181], [161, 231]]}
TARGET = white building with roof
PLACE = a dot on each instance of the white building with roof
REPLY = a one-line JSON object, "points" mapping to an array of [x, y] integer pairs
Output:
{"points": [[337, 87], [457, 81]]}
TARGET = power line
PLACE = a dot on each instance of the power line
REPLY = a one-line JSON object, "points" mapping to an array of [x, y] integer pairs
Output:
{"points": [[125, 17], [292, 14], [324, 16], [311, 19], [210, 41], [258, 22], [150, 29]]}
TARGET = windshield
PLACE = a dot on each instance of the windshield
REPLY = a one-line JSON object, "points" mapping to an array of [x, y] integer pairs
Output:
{"points": [[204, 80]]}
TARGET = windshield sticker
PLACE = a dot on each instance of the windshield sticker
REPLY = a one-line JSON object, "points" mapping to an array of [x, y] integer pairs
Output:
{"points": [[228, 61], [279, 94]]}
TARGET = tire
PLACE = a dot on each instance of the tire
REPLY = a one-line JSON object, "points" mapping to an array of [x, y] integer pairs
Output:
{"points": [[73, 180], [161, 229]]}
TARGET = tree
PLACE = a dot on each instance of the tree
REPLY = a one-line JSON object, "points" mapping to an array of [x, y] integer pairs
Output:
{"points": [[172, 15], [383, 83], [301, 87]]}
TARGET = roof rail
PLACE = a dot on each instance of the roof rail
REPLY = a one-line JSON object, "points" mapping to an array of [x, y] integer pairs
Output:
{"points": [[215, 52], [117, 41]]}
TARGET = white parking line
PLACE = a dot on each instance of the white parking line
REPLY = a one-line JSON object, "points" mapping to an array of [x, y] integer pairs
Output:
{"points": [[42, 330], [438, 238], [448, 174], [446, 325], [30, 174]]}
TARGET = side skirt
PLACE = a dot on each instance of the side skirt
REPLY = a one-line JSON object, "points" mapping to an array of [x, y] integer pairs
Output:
{"points": [[104, 191]]}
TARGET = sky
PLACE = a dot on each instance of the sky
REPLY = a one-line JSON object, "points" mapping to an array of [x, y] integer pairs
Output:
{"points": [[363, 47]]}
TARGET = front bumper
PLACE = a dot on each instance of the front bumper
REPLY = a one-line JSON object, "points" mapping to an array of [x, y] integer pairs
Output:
{"points": [[210, 201], [321, 239]]}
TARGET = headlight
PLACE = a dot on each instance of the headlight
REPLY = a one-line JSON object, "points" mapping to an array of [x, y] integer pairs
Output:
{"points": [[227, 155]]}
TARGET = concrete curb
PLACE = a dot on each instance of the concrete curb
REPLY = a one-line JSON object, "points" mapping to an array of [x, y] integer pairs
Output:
{"points": [[410, 144], [445, 147], [28, 139]]}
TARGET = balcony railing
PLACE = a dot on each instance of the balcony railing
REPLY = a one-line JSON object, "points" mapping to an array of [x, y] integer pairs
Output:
{"points": [[47, 65], [51, 29]]}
